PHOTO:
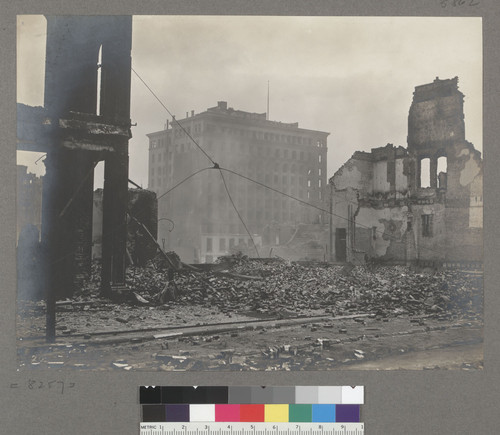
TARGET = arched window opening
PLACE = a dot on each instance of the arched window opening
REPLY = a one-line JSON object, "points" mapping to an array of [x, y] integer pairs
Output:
{"points": [[425, 172], [442, 169]]}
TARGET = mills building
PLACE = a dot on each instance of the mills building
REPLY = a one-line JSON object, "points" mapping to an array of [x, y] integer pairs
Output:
{"points": [[197, 220]]}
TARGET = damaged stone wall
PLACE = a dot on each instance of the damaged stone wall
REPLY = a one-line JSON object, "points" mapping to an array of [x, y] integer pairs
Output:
{"points": [[142, 204], [395, 219], [29, 199]]}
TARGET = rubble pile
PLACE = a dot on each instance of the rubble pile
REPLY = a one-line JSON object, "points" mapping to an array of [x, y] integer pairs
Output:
{"points": [[283, 289]]}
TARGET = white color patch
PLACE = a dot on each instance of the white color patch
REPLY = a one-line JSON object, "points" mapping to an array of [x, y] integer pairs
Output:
{"points": [[202, 412], [353, 396]]}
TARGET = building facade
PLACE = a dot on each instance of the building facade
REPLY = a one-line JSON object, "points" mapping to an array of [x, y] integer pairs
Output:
{"points": [[197, 218], [420, 204]]}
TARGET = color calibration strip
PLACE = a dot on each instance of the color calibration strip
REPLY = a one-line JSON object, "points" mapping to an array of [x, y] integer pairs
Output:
{"points": [[258, 413], [252, 395], [252, 404]]}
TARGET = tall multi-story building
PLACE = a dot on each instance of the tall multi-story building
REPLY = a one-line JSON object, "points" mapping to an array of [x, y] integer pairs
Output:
{"points": [[197, 219]]}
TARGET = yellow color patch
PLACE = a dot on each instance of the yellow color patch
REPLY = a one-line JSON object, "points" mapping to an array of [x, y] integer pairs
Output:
{"points": [[276, 413]]}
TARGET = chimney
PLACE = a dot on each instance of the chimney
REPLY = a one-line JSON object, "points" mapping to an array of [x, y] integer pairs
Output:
{"points": [[222, 105], [187, 114], [192, 113]]}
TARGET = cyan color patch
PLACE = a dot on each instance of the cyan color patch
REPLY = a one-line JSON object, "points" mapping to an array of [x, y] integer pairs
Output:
{"points": [[323, 413]]}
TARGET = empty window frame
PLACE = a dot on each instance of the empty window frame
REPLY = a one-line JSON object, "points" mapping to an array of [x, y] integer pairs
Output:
{"points": [[427, 225], [425, 172]]}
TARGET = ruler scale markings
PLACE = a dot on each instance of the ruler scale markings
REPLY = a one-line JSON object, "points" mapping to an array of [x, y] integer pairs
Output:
{"points": [[167, 428]]}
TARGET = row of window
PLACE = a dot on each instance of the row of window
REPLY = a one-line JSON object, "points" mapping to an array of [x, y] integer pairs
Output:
{"points": [[266, 136], [224, 243], [244, 148], [285, 179], [161, 142], [427, 178]]}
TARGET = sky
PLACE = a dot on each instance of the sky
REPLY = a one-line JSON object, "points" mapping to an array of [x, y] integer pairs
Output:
{"points": [[353, 77]]}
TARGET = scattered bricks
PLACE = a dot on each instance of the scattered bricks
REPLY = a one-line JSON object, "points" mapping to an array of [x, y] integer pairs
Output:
{"points": [[359, 354], [273, 352], [324, 343], [227, 355], [292, 290]]}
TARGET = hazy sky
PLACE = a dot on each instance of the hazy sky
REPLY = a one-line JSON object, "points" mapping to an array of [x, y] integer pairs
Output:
{"points": [[350, 76]]}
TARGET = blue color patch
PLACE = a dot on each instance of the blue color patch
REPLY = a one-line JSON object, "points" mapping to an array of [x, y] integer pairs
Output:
{"points": [[323, 413]]}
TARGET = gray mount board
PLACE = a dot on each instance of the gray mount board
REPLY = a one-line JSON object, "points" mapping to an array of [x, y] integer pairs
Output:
{"points": [[445, 402]]}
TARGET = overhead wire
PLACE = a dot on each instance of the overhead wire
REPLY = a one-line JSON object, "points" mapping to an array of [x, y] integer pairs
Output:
{"points": [[237, 212], [216, 166], [183, 181], [173, 117], [319, 208], [173, 187]]}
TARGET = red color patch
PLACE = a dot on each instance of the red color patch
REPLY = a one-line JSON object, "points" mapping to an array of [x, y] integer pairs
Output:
{"points": [[252, 413]]}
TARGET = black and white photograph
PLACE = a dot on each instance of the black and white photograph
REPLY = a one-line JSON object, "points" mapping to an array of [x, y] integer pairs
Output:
{"points": [[249, 193]]}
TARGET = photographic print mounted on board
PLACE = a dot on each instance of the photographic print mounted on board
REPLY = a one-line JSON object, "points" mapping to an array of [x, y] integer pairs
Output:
{"points": [[249, 193]]}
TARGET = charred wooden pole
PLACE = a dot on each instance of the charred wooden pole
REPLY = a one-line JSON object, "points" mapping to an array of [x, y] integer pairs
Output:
{"points": [[114, 238], [115, 106], [57, 266]]}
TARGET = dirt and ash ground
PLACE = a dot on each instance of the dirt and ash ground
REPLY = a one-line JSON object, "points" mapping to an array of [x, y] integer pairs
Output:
{"points": [[246, 314]]}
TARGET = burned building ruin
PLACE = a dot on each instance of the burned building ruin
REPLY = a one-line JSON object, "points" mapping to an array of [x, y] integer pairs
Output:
{"points": [[85, 119], [422, 204]]}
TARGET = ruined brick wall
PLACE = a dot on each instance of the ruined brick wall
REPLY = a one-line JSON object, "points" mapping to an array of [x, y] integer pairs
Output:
{"points": [[436, 115], [143, 206], [436, 129], [386, 227], [356, 173], [398, 220], [29, 199]]}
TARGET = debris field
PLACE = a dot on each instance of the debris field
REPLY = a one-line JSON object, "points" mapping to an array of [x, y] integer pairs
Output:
{"points": [[259, 314]]}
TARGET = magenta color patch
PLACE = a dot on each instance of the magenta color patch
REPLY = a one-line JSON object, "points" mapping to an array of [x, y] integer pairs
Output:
{"points": [[225, 413]]}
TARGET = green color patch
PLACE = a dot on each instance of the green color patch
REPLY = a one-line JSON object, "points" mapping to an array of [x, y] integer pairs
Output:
{"points": [[300, 413]]}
